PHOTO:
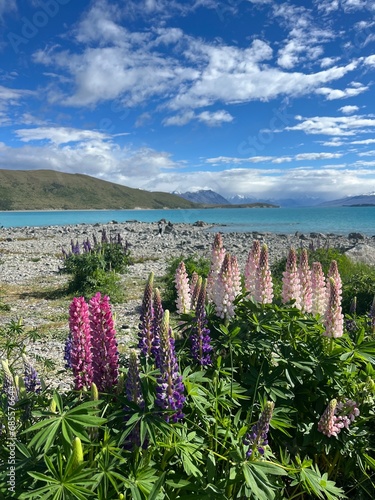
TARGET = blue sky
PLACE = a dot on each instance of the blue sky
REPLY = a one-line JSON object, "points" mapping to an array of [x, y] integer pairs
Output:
{"points": [[264, 98]]}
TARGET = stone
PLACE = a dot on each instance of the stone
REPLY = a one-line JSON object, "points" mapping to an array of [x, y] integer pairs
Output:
{"points": [[356, 236], [362, 253]]}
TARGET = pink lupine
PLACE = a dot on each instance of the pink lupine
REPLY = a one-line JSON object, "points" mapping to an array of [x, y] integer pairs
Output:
{"points": [[304, 273], [236, 276], [251, 266], [291, 288], [333, 319], [183, 300], [217, 258], [80, 353], [104, 346], [263, 279], [333, 272], [195, 289], [319, 289], [337, 416], [224, 291]]}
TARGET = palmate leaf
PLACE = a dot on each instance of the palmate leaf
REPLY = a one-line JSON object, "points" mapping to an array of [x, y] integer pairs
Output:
{"points": [[320, 485], [258, 483]]}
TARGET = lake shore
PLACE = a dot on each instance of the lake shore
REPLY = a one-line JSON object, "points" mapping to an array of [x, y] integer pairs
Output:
{"points": [[31, 257]]}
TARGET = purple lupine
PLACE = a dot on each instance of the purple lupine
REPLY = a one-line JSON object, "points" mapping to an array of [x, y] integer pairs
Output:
{"points": [[371, 316], [337, 416], [263, 279], [183, 300], [200, 337], [104, 345], [217, 258], [257, 438], [305, 282], [31, 377], [104, 236], [333, 272], [333, 318], [170, 388], [67, 351], [251, 266], [146, 325], [318, 289], [291, 287], [80, 354], [156, 324]]}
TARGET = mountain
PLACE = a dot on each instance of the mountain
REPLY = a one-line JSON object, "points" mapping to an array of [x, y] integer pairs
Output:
{"points": [[352, 201], [302, 201], [52, 190], [204, 196]]}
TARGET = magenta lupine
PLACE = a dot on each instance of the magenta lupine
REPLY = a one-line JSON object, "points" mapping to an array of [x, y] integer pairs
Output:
{"points": [[105, 355], [318, 289], [224, 295], [200, 335], [337, 416], [183, 300], [170, 388], [217, 258], [146, 325], [333, 318], [251, 266], [305, 282], [257, 438], [291, 287], [80, 353], [156, 322], [263, 279], [333, 272]]}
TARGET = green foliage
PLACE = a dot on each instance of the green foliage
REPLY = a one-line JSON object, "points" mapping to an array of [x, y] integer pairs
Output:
{"points": [[98, 270], [193, 263]]}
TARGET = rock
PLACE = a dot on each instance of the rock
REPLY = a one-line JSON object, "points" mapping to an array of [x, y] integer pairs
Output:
{"points": [[356, 236], [362, 253], [199, 223]]}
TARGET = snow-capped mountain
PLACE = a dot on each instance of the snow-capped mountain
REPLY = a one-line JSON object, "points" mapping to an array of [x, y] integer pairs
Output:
{"points": [[352, 201], [205, 196]]}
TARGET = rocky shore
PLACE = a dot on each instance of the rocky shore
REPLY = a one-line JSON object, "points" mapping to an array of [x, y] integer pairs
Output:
{"points": [[31, 258]]}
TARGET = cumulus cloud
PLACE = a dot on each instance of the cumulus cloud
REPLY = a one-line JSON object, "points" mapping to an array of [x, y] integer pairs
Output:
{"points": [[59, 135], [348, 110], [334, 125], [332, 94], [212, 119]]}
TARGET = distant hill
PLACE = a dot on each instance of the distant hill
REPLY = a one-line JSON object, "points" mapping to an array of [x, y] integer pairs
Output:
{"points": [[352, 201], [205, 196], [52, 190]]}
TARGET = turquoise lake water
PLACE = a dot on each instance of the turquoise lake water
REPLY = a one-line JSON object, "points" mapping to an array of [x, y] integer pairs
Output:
{"points": [[341, 220]]}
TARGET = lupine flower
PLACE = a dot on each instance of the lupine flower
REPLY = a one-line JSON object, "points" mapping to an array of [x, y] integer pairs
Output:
{"points": [[200, 337], [104, 236], [291, 288], [104, 345], [236, 276], [80, 353], [195, 286], [67, 351], [337, 415], [31, 377], [257, 438], [333, 319], [134, 394], [170, 388], [372, 316], [217, 258], [9, 388], [319, 290], [146, 325], [156, 324], [333, 272], [183, 300], [263, 279], [225, 291], [304, 273], [251, 266]]}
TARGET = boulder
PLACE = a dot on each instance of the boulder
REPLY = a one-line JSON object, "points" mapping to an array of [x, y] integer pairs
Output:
{"points": [[356, 236], [362, 253]]}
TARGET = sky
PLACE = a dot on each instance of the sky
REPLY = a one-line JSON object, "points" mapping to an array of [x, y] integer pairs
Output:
{"points": [[260, 98]]}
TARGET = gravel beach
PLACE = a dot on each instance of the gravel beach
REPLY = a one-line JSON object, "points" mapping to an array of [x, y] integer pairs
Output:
{"points": [[30, 259]]}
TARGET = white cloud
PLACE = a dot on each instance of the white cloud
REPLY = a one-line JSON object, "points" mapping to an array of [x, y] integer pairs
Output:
{"points": [[212, 119], [59, 135], [364, 141], [348, 110], [332, 94], [7, 6], [317, 156], [336, 126], [367, 153], [326, 62]]}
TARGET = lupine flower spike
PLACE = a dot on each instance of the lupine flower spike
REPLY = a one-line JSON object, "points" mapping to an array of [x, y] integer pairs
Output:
{"points": [[146, 325], [263, 279], [224, 291], [333, 319], [305, 282], [337, 416], [104, 345], [372, 316], [333, 272], [291, 288], [133, 393], [31, 377], [183, 301], [257, 438], [157, 319], [80, 354], [200, 336], [251, 266], [217, 258], [170, 388], [319, 290], [195, 290]]}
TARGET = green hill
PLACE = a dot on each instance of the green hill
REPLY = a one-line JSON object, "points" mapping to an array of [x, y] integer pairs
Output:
{"points": [[51, 190]]}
